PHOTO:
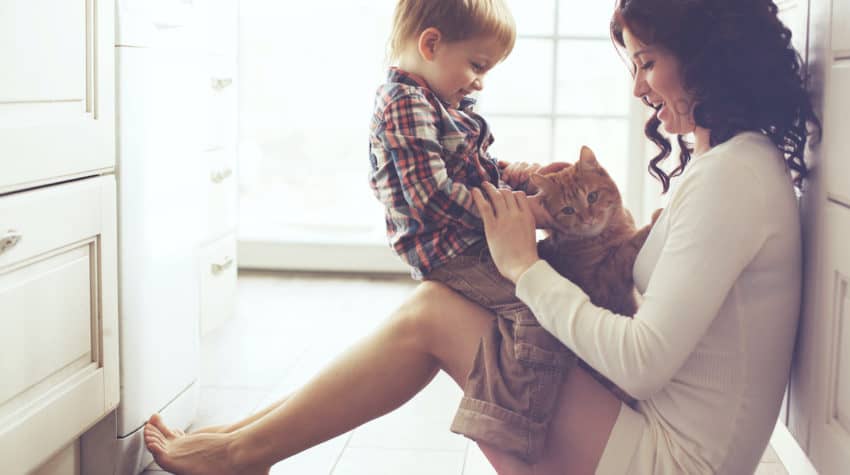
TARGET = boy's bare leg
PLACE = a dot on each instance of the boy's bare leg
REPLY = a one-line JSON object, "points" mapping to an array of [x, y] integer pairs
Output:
{"points": [[373, 378]]}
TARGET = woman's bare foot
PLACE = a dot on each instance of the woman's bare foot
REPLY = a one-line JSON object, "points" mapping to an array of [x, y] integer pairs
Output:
{"points": [[193, 454]]}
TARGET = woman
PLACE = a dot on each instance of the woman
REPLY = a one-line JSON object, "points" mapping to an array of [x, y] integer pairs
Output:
{"points": [[707, 354]]}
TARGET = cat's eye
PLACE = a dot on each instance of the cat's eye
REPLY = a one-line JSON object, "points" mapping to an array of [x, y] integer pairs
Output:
{"points": [[568, 210], [592, 197]]}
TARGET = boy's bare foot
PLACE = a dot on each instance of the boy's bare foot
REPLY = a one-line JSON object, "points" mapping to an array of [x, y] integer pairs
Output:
{"points": [[193, 454]]}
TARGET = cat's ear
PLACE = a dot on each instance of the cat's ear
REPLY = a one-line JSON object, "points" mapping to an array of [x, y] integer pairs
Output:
{"points": [[587, 159], [543, 182]]}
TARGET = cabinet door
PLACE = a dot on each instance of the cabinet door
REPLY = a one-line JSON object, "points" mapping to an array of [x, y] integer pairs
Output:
{"points": [[835, 126], [56, 90], [841, 28], [830, 431], [58, 317]]}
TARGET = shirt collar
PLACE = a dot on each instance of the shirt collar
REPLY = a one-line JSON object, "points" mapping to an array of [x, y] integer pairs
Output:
{"points": [[401, 76]]}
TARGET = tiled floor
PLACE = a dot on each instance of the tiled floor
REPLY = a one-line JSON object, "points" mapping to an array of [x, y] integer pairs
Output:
{"points": [[287, 327]]}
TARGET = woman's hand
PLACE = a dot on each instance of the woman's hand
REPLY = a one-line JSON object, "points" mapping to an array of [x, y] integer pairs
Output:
{"points": [[509, 227]]}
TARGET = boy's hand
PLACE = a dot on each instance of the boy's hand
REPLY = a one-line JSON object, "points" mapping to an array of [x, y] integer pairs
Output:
{"points": [[518, 174]]}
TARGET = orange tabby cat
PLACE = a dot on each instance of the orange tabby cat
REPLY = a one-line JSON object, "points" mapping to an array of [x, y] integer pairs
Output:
{"points": [[593, 241]]}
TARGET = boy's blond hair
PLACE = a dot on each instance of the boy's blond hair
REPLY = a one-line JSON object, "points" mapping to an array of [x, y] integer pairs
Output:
{"points": [[457, 20]]}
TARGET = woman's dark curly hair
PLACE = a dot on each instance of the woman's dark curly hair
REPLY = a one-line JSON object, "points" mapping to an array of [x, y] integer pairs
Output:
{"points": [[737, 62]]}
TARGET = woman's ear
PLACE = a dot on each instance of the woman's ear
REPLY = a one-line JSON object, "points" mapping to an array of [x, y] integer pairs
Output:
{"points": [[428, 42]]}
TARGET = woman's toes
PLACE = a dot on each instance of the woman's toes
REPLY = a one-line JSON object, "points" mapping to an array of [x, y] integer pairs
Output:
{"points": [[156, 421]]}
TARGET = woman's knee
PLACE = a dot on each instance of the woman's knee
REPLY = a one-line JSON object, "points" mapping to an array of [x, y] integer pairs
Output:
{"points": [[417, 320]]}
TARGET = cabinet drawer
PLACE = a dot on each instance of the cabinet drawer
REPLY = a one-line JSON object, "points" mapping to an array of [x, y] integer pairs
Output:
{"points": [[218, 283], [155, 23], [220, 101], [58, 316], [221, 20], [221, 191]]}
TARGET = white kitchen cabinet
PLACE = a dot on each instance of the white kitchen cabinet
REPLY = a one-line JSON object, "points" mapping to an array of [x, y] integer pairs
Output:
{"points": [[819, 408], [177, 176], [57, 98], [58, 317], [59, 370]]}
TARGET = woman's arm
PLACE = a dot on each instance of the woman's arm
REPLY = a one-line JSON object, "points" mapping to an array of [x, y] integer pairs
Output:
{"points": [[713, 234]]}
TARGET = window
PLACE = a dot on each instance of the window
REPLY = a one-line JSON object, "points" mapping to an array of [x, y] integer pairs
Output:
{"points": [[308, 72]]}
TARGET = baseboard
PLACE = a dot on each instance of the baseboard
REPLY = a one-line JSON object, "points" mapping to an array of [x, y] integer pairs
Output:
{"points": [[317, 256], [790, 453]]}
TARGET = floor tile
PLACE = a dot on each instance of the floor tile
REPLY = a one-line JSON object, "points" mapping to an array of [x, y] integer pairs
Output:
{"points": [[766, 468], [422, 423], [365, 461], [770, 455], [225, 406], [318, 460]]}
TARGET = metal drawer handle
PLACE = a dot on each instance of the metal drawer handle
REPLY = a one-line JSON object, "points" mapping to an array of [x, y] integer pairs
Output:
{"points": [[218, 268], [9, 240], [221, 83], [221, 175]]}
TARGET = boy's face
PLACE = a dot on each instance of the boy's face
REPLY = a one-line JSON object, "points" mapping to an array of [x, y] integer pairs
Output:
{"points": [[457, 69]]}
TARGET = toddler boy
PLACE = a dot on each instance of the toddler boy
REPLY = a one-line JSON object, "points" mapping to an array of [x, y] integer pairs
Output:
{"points": [[428, 148]]}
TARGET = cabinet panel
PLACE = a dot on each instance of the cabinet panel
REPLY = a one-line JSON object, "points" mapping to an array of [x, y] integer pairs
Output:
{"points": [[835, 126], [58, 317], [56, 90], [830, 444], [46, 316], [45, 42], [841, 28]]}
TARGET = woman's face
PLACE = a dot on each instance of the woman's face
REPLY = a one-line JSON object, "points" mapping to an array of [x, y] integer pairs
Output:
{"points": [[658, 79]]}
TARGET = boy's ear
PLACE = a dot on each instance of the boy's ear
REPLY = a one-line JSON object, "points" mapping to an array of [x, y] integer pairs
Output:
{"points": [[428, 42]]}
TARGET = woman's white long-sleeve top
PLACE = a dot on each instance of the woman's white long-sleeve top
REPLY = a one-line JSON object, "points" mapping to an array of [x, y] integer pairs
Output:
{"points": [[709, 350]]}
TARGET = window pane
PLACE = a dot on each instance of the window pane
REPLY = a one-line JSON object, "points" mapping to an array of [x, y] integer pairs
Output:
{"points": [[305, 116], [592, 79], [607, 138], [534, 17], [585, 18], [523, 83], [521, 139]]}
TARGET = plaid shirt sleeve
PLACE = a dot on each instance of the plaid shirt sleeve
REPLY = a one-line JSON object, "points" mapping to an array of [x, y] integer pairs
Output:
{"points": [[411, 136]]}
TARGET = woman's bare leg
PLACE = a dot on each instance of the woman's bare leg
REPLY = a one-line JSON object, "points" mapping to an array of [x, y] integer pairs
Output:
{"points": [[373, 378], [224, 428], [435, 328]]}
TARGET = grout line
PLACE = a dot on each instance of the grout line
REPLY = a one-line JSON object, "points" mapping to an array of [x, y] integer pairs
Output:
{"points": [[465, 459], [341, 452]]}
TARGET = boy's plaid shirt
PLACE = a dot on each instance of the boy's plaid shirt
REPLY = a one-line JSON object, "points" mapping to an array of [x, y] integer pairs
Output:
{"points": [[425, 158]]}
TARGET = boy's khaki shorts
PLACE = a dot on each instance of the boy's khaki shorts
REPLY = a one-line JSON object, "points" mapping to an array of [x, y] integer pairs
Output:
{"points": [[519, 368]]}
